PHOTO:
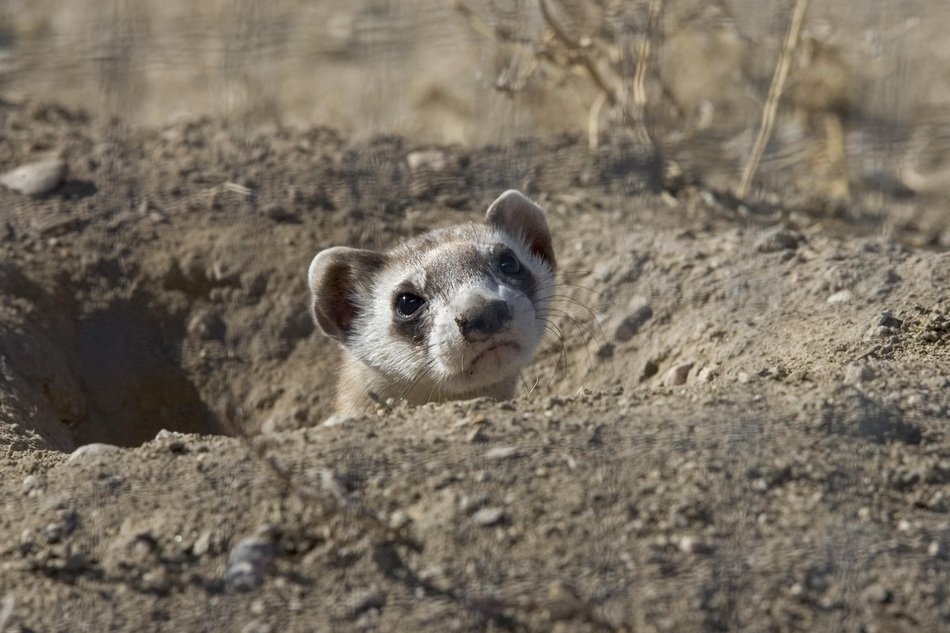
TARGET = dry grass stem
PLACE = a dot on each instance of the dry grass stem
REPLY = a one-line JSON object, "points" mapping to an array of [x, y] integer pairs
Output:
{"points": [[770, 109]]}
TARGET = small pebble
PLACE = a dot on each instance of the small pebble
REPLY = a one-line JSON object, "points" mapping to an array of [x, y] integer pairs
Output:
{"points": [[501, 452], [365, 599], [693, 545], [430, 159], [779, 240], [487, 517], [249, 563], [856, 373], [30, 482], [629, 325], [677, 374], [279, 213], [889, 320], [930, 337], [649, 370], [477, 435], [35, 179], [88, 451], [338, 419], [842, 296], [563, 602], [202, 544], [877, 331], [877, 593]]}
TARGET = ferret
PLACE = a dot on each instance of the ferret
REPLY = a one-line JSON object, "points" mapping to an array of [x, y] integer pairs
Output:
{"points": [[451, 314]]}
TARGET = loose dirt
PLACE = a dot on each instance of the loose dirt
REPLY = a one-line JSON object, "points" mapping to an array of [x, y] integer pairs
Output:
{"points": [[739, 421]]}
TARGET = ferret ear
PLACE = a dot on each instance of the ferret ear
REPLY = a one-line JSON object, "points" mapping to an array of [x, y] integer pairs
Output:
{"points": [[513, 213], [337, 277]]}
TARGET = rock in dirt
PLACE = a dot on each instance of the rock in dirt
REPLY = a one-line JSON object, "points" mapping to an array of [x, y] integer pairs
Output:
{"points": [[890, 321], [649, 370], [426, 159], [249, 562], [779, 240], [93, 450], [30, 483], [35, 179], [363, 600], [563, 602], [877, 593], [693, 545], [501, 452], [857, 373], [202, 544], [677, 374], [629, 325], [279, 213], [487, 517], [338, 419], [842, 296]]}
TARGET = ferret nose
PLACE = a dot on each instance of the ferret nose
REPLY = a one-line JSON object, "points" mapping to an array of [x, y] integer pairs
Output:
{"points": [[484, 320]]}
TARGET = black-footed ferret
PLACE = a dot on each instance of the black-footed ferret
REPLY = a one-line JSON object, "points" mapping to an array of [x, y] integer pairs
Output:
{"points": [[451, 314]]}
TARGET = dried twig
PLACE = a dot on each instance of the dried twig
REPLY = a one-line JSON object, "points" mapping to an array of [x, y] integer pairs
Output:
{"points": [[593, 121], [579, 55], [775, 93], [643, 56], [563, 50], [478, 25]]}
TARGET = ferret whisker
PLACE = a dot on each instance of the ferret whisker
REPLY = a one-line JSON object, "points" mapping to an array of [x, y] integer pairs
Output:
{"points": [[593, 316], [423, 371], [581, 326], [530, 390], [562, 355], [602, 296], [587, 340], [587, 331]]}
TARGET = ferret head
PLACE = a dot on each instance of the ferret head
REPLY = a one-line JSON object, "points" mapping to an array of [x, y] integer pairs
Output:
{"points": [[451, 311]]}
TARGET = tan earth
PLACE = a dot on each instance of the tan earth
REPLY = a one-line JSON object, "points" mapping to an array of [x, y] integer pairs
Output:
{"points": [[740, 421]]}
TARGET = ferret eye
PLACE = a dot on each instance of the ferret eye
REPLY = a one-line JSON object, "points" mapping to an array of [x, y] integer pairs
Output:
{"points": [[408, 304], [509, 264]]}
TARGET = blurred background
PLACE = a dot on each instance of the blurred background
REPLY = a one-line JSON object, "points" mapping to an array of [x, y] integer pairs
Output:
{"points": [[864, 118]]}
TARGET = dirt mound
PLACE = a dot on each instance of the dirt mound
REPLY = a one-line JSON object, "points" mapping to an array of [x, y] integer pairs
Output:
{"points": [[740, 424]]}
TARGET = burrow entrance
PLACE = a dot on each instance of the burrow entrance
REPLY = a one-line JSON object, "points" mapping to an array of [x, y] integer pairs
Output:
{"points": [[104, 369]]}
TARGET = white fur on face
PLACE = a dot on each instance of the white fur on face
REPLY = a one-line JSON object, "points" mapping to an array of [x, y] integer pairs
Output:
{"points": [[443, 362]]}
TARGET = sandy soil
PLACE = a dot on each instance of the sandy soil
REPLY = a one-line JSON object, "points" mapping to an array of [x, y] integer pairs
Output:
{"points": [[742, 426]]}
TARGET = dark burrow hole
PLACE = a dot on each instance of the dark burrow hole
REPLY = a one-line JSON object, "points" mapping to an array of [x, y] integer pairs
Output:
{"points": [[133, 382], [112, 374]]}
